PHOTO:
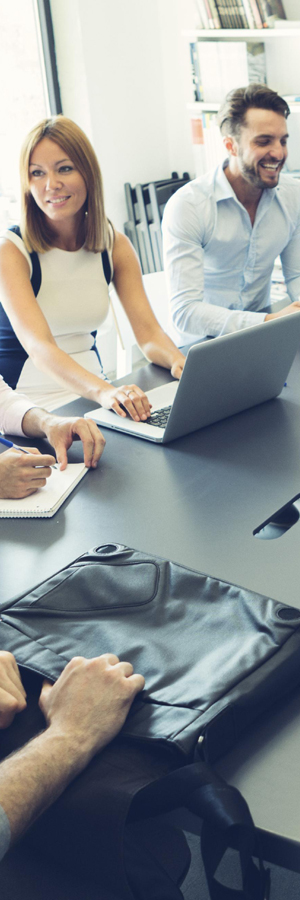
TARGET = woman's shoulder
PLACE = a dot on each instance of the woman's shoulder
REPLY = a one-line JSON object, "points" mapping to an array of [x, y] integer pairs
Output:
{"points": [[13, 237]]}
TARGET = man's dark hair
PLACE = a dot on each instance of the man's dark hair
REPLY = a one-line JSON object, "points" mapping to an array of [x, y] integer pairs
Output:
{"points": [[232, 112]]}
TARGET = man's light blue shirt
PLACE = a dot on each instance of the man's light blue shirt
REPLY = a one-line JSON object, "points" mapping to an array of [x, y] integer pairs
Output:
{"points": [[218, 266]]}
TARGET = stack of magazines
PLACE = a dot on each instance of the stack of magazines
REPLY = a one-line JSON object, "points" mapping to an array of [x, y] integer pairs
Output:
{"points": [[239, 13]]}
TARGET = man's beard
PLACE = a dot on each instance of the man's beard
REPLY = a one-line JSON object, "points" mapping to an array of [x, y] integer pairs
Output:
{"points": [[251, 175]]}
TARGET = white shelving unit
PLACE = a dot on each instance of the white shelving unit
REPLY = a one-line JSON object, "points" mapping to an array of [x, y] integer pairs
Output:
{"points": [[244, 34], [283, 75]]}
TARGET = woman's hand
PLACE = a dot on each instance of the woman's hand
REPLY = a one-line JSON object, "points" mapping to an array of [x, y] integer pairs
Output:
{"points": [[129, 396], [178, 366]]}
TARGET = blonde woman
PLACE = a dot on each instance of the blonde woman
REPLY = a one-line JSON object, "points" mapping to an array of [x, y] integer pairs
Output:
{"points": [[54, 277]]}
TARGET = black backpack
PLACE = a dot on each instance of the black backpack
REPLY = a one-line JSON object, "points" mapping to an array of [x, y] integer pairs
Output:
{"points": [[215, 656]]}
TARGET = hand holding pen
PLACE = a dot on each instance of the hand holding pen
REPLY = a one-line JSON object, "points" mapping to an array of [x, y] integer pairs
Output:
{"points": [[23, 472], [13, 446]]}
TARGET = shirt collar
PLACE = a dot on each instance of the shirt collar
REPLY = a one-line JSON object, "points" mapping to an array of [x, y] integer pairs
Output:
{"points": [[223, 190]]}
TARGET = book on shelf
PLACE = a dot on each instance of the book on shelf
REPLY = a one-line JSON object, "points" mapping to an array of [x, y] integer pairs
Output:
{"points": [[204, 19], [208, 147], [213, 14], [272, 10], [196, 74], [249, 14], [256, 14]]}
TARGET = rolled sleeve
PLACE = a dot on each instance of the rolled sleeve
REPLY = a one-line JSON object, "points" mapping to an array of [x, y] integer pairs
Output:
{"points": [[13, 407], [290, 259]]}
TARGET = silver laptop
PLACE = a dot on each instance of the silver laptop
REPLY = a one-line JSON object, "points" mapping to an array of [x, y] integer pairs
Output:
{"points": [[221, 377]]}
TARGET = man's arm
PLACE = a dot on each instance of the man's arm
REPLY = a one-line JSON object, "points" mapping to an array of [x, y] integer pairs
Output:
{"points": [[84, 711], [17, 416], [290, 259], [187, 227], [61, 431]]}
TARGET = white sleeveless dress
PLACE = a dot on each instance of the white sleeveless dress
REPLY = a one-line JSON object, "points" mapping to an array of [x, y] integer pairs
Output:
{"points": [[74, 299]]}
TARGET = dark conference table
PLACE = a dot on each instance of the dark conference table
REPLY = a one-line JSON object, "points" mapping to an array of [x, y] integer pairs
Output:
{"points": [[196, 501]]}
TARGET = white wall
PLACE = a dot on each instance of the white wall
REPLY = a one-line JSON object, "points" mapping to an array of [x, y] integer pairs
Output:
{"points": [[124, 79], [124, 73]]}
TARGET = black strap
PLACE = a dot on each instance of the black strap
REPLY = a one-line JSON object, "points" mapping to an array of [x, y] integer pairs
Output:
{"points": [[106, 266], [36, 277], [227, 823]]}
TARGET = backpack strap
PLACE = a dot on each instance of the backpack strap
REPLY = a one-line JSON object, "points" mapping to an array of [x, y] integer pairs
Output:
{"points": [[106, 266], [227, 822], [36, 277]]}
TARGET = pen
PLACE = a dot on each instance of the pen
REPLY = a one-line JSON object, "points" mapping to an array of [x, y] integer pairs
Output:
{"points": [[16, 447]]}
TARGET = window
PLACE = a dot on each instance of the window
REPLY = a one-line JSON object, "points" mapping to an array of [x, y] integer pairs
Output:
{"points": [[30, 89]]}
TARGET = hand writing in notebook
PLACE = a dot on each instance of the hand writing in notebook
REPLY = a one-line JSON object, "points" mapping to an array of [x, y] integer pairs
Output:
{"points": [[22, 474]]}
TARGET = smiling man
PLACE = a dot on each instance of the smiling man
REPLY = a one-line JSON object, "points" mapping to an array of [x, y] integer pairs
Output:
{"points": [[223, 231]]}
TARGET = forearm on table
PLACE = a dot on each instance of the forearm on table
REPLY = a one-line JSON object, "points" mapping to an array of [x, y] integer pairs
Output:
{"points": [[160, 349], [33, 778], [50, 359], [207, 319]]}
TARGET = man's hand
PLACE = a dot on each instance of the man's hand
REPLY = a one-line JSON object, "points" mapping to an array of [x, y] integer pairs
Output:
{"points": [[61, 432], [90, 701], [12, 693], [21, 474], [287, 311]]}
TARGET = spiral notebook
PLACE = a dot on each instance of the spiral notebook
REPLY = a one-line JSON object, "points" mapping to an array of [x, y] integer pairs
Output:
{"points": [[47, 500]]}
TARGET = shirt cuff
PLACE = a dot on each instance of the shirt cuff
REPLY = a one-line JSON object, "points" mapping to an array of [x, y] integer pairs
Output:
{"points": [[11, 420], [5, 833]]}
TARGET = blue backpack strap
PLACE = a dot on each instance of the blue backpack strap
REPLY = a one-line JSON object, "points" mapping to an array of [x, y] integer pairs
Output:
{"points": [[36, 277], [12, 354], [106, 266]]}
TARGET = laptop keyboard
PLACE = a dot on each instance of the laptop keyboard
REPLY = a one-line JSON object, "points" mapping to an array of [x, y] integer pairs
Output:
{"points": [[159, 417]]}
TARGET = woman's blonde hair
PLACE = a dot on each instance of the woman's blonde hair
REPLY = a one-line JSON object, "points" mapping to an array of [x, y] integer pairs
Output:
{"points": [[36, 233]]}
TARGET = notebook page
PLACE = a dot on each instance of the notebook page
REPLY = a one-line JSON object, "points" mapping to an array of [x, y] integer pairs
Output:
{"points": [[48, 499]]}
